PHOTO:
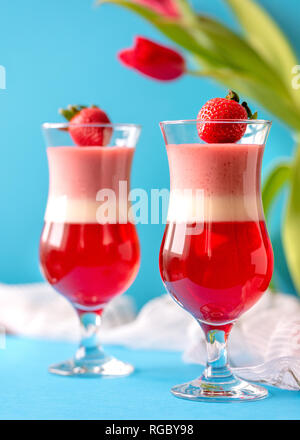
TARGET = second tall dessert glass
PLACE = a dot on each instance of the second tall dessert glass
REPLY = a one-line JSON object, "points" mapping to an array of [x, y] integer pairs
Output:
{"points": [[89, 249], [216, 258]]}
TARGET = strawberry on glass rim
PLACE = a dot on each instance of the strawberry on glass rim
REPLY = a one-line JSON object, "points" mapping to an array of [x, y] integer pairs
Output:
{"points": [[85, 125], [228, 108]]}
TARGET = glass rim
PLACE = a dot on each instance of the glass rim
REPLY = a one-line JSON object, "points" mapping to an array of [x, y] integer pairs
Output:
{"points": [[216, 121], [118, 125]]}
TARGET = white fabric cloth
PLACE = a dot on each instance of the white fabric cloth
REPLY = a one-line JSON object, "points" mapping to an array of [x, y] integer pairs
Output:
{"points": [[264, 344], [36, 310]]}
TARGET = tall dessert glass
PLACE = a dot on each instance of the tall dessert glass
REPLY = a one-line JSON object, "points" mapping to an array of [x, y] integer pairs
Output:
{"points": [[89, 249], [216, 258]]}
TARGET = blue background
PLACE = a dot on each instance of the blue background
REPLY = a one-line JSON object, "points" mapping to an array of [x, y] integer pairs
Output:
{"points": [[61, 52], [143, 395]]}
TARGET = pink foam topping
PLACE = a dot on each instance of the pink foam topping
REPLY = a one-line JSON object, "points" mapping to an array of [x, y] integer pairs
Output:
{"points": [[218, 169], [81, 172]]}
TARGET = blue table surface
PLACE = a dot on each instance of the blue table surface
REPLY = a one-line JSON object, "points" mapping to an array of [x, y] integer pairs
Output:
{"points": [[28, 391]]}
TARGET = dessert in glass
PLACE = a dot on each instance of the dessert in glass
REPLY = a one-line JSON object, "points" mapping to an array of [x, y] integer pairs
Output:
{"points": [[216, 258], [89, 248]]}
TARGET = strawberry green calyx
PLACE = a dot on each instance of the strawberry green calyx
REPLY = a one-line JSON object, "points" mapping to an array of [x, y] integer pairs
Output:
{"points": [[249, 113], [71, 111], [233, 96]]}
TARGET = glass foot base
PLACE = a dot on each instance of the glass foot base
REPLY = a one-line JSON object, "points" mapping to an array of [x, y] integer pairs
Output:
{"points": [[108, 367], [235, 391]]}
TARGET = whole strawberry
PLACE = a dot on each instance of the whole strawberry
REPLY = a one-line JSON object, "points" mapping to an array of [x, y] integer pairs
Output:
{"points": [[223, 108], [83, 127]]}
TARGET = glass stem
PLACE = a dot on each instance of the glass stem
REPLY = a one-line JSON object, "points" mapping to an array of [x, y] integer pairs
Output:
{"points": [[90, 347], [217, 368]]}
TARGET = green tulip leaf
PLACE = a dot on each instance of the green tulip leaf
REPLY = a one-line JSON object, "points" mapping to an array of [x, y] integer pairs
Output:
{"points": [[291, 226], [185, 8], [273, 184], [265, 36], [236, 52]]}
